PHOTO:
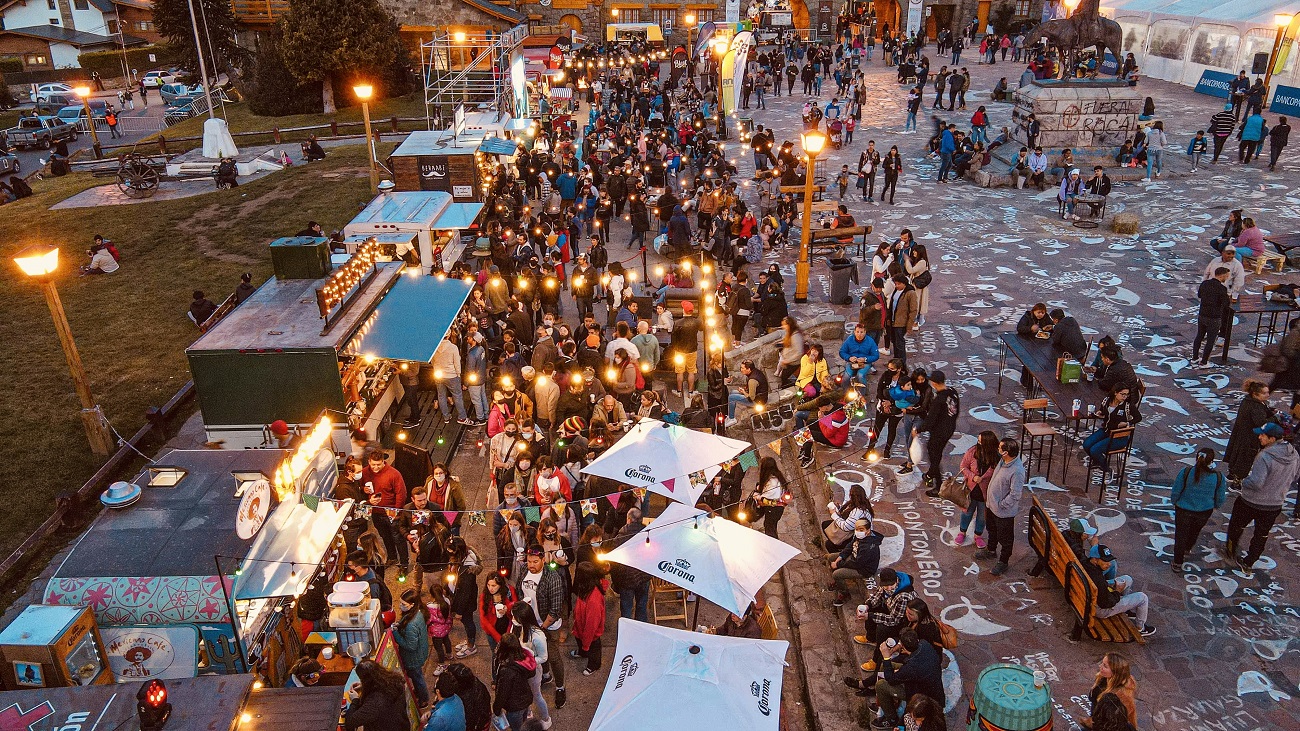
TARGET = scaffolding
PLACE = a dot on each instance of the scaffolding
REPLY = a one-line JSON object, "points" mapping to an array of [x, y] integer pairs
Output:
{"points": [[472, 68]]}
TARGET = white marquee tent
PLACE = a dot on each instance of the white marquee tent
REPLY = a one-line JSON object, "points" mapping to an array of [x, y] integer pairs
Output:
{"points": [[1177, 40]]}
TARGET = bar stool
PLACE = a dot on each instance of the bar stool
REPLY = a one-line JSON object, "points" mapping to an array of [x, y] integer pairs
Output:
{"points": [[673, 596], [1036, 437], [1116, 461]]}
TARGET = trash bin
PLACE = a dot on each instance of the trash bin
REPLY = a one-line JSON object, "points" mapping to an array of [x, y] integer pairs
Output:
{"points": [[1006, 698], [745, 125], [843, 271]]}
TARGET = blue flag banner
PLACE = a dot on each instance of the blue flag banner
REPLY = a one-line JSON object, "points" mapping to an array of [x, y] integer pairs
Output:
{"points": [[1286, 100], [1214, 83]]}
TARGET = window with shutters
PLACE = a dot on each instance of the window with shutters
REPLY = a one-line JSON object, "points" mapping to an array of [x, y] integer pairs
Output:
{"points": [[1022, 8], [665, 18], [628, 15]]}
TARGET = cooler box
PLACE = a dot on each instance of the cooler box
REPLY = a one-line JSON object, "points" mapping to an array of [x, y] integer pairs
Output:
{"points": [[301, 257]]}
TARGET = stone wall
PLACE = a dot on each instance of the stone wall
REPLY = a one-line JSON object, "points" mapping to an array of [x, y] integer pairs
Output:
{"points": [[826, 329], [1078, 115]]}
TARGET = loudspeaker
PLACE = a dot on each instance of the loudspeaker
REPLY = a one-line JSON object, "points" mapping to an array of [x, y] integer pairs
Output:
{"points": [[414, 463], [1259, 66]]}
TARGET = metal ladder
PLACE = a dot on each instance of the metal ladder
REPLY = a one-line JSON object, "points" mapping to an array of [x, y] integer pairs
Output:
{"points": [[469, 68]]}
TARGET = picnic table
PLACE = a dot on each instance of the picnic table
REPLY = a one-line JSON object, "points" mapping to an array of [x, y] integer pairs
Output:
{"points": [[1039, 358], [1256, 304], [1284, 243]]}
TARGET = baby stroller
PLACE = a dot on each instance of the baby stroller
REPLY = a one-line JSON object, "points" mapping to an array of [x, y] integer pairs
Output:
{"points": [[836, 129]]}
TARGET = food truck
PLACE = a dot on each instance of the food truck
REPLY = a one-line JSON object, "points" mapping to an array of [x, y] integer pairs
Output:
{"points": [[334, 343], [649, 34], [166, 577], [439, 223]]}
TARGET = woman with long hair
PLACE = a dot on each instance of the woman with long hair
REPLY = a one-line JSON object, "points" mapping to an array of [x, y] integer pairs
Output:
{"points": [[378, 700], [589, 546], [411, 633], [716, 392], [512, 670], [461, 577], [557, 550], [770, 494], [912, 415], [813, 371], [888, 411], [1117, 412], [1114, 677], [533, 639], [589, 588], [512, 546], [917, 263], [1243, 444], [438, 616], [792, 349], [1197, 491], [977, 469], [893, 166], [494, 610], [857, 506], [924, 714]]}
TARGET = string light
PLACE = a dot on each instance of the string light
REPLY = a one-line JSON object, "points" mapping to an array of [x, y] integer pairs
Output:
{"points": [[340, 283]]}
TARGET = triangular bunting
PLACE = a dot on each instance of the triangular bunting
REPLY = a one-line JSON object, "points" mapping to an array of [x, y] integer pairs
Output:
{"points": [[532, 514], [775, 447], [748, 460], [668, 483], [613, 498], [311, 501], [588, 507], [478, 518], [450, 515]]}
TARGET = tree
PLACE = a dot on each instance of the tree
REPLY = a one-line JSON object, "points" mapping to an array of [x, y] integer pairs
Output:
{"points": [[339, 41], [172, 19], [272, 90]]}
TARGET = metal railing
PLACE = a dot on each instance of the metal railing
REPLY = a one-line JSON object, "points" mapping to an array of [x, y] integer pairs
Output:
{"points": [[470, 68]]}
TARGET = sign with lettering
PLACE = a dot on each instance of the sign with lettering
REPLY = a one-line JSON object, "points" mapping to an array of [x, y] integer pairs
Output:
{"points": [[145, 653], [1214, 83], [1286, 100], [434, 173]]}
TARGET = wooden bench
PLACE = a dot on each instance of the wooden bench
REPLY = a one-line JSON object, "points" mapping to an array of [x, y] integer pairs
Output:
{"points": [[1266, 259], [1054, 554], [797, 191], [828, 239]]}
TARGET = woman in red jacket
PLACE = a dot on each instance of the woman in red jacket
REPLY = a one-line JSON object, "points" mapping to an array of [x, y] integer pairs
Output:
{"points": [[494, 612], [831, 429], [589, 586]]}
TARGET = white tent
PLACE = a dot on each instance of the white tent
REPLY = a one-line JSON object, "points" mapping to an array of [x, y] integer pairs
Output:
{"points": [[671, 679], [1177, 40], [721, 561], [661, 457]]}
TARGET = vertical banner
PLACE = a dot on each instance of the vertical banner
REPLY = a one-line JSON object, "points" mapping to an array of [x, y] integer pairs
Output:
{"points": [[679, 62], [740, 46], [702, 47], [733, 12], [728, 89], [825, 18], [519, 85], [914, 16]]}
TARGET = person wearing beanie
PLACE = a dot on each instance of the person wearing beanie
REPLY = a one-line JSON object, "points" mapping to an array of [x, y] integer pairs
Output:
{"points": [[1221, 126]]}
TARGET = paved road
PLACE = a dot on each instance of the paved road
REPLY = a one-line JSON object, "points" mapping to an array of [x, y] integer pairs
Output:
{"points": [[135, 125]]}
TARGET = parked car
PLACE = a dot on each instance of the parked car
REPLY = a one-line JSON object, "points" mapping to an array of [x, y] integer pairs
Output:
{"points": [[40, 132], [43, 92], [55, 102], [156, 79], [180, 109], [170, 92], [75, 114], [9, 164]]}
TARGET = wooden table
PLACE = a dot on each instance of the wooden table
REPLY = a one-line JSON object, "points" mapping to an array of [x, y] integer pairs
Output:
{"points": [[1096, 209], [1040, 359], [1255, 304]]}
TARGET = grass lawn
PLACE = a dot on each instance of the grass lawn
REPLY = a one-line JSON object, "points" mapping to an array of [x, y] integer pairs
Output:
{"points": [[130, 326], [241, 119]]}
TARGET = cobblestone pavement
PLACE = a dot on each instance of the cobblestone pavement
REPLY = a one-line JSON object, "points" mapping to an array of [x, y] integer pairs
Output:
{"points": [[1225, 655]]}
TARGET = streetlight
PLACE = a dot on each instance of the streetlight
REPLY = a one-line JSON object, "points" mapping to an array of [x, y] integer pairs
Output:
{"points": [[364, 92], [813, 142], [1283, 22], [39, 261], [613, 12], [84, 93], [689, 20]]}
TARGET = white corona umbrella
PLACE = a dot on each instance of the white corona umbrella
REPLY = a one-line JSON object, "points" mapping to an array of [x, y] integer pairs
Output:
{"points": [[721, 561], [661, 457], [672, 680]]}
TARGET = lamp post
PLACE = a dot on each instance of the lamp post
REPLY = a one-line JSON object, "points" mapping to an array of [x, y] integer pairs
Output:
{"points": [[813, 142], [1283, 22], [39, 262], [83, 92], [364, 92], [689, 20]]}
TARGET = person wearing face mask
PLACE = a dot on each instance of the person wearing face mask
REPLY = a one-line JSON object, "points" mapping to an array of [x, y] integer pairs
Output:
{"points": [[566, 519], [544, 590], [536, 443], [349, 488], [494, 611], [859, 559], [412, 637], [1197, 492], [512, 546], [502, 453], [525, 471], [511, 501], [445, 494]]}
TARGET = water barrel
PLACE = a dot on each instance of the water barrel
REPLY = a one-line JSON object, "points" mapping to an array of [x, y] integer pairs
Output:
{"points": [[1005, 699]]}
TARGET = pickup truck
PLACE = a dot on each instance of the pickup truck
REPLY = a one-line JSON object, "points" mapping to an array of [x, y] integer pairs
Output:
{"points": [[40, 132]]}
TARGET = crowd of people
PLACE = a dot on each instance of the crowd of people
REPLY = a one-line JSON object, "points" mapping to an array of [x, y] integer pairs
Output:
{"points": [[569, 338]]}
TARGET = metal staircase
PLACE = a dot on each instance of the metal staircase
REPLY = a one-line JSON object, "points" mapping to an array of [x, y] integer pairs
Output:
{"points": [[473, 68]]}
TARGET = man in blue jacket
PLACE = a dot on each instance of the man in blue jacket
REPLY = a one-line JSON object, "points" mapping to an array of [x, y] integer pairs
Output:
{"points": [[859, 352], [448, 709], [947, 146], [567, 184]]}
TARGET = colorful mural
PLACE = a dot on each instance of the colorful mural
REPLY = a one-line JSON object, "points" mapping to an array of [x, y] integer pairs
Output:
{"points": [[144, 600]]}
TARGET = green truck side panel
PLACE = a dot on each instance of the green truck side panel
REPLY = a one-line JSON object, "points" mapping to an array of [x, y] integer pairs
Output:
{"points": [[258, 388]]}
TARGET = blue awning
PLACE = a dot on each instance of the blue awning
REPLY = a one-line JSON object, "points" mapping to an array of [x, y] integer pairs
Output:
{"points": [[458, 216], [413, 318], [498, 146]]}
